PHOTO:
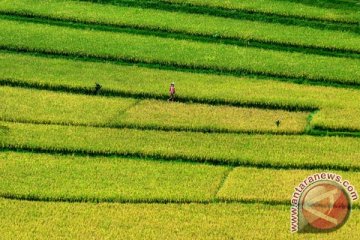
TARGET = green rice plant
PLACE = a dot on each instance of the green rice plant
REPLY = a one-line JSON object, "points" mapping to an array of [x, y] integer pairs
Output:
{"points": [[236, 149], [52, 107], [26, 219], [343, 119], [148, 49], [23, 105], [71, 178], [193, 24], [71, 75], [271, 185], [323, 10], [135, 80], [193, 116]]}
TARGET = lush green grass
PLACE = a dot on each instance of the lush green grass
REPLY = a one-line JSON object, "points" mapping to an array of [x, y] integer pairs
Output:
{"points": [[194, 24], [277, 151], [337, 105], [345, 12], [76, 178], [55, 72], [28, 220], [40, 37], [343, 119], [46, 106], [193, 116], [24, 105], [70, 178], [105, 164], [270, 184], [142, 81]]}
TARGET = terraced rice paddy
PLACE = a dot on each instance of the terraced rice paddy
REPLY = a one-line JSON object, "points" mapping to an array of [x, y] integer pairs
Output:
{"points": [[268, 93]]}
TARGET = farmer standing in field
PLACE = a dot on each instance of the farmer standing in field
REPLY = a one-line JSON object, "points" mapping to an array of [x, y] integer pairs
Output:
{"points": [[172, 92]]}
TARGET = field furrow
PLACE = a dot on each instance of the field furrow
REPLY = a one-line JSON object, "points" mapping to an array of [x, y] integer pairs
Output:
{"points": [[235, 149], [123, 80], [267, 102], [135, 48], [23, 105], [99, 179], [331, 11], [248, 32], [337, 105], [342, 120]]}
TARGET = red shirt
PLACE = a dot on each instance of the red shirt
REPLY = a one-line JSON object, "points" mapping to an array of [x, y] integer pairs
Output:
{"points": [[172, 89]]}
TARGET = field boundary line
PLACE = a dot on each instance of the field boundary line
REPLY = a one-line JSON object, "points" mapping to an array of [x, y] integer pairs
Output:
{"points": [[34, 198], [223, 181], [124, 111], [341, 130], [236, 14], [152, 127], [181, 35], [325, 131], [175, 158], [142, 96], [23, 197], [311, 132], [328, 82]]}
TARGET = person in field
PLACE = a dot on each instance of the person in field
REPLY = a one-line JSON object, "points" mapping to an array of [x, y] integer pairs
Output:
{"points": [[172, 92], [97, 88]]}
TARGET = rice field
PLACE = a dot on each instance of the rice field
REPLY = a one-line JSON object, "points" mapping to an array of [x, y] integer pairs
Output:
{"points": [[190, 24], [111, 220], [23, 105], [27, 36], [338, 11], [267, 93]]}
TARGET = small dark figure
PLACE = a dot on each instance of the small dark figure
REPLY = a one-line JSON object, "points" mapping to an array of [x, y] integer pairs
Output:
{"points": [[277, 123], [172, 92], [97, 88]]}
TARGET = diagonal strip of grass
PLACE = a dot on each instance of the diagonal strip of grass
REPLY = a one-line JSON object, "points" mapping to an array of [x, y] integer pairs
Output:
{"points": [[193, 24], [148, 49], [344, 12], [236, 149]]}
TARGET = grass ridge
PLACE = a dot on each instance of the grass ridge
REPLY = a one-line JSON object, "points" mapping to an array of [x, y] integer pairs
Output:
{"points": [[35, 198], [327, 131], [182, 158], [322, 81], [236, 14], [117, 93], [152, 127], [136, 201], [177, 34], [311, 131]]}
